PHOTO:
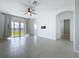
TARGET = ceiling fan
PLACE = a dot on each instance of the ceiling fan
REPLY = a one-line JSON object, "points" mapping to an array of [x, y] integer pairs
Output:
{"points": [[31, 9]]}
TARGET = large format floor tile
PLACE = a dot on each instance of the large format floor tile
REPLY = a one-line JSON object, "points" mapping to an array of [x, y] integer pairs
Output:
{"points": [[32, 47]]}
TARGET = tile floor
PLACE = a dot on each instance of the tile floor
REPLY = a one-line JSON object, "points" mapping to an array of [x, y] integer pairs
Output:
{"points": [[32, 47]]}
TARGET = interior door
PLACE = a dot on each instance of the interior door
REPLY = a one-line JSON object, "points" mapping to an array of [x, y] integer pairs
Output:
{"points": [[67, 29]]}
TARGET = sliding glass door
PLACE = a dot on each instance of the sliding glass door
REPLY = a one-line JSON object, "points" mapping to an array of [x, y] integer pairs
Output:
{"points": [[22, 29], [17, 29]]}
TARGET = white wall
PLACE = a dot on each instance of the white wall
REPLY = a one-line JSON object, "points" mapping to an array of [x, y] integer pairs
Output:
{"points": [[46, 19], [76, 43], [46, 16], [60, 24], [31, 26]]}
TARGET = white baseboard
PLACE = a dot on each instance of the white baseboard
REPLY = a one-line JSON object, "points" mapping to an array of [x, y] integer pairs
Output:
{"points": [[47, 38]]}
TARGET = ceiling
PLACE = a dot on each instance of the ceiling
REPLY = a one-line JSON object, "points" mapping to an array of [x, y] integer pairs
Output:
{"points": [[16, 7]]}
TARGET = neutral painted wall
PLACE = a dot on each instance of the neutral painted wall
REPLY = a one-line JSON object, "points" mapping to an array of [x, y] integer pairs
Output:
{"points": [[46, 19], [60, 24], [76, 25], [46, 16], [31, 27]]}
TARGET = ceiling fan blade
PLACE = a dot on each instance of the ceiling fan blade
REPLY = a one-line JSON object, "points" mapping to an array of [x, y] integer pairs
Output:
{"points": [[33, 10], [25, 13], [34, 13]]}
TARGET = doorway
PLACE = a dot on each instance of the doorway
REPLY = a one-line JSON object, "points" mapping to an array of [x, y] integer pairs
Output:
{"points": [[17, 29], [67, 29]]}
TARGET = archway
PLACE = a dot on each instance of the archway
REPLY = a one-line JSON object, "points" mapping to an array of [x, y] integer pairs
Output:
{"points": [[60, 18]]}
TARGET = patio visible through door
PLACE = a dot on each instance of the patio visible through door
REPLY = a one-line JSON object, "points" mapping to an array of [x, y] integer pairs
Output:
{"points": [[17, 29]]}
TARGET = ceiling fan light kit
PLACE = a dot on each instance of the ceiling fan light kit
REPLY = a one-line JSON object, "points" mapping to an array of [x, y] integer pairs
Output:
{"points": [[30, 11]]}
